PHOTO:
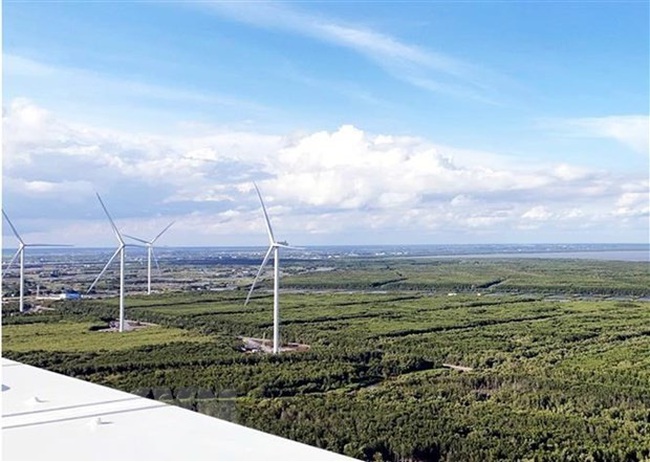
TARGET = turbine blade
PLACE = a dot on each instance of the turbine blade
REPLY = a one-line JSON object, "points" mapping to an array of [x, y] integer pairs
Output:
{"points": [[136, 239], [139, 246], [11, 262], [115, 230], [162, 232], [11, 225], [102, 272], [266, 216], [259, 271], [286, 246], [155, 260]]}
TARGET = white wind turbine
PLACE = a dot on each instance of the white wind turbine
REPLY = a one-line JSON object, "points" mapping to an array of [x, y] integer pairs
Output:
{"points": [[150, 253], [121, 250], [21, 253], [275, 248]]}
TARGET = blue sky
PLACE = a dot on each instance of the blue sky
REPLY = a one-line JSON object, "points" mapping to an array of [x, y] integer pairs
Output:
{"points": [[362, 122]]}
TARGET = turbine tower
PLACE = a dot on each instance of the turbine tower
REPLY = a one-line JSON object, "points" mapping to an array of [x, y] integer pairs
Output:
{"points": [[150, 253], [21, 254], [121, 250], [274, 248]]}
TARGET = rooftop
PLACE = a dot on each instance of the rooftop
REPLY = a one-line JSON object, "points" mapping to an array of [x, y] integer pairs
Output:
{"points": [[49, 416]]}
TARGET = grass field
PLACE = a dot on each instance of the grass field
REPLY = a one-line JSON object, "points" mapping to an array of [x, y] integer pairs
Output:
{"points": [[69, 336]]}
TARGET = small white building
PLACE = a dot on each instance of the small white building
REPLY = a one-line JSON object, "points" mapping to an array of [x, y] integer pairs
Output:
{"points": [[70, 295]]}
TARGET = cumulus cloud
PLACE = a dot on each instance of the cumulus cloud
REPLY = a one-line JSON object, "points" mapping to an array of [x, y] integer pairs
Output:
{"points": [[328, 183], [349, 168]]}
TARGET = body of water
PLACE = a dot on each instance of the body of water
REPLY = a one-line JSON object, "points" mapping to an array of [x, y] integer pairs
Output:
{"points": [[605, 255]]}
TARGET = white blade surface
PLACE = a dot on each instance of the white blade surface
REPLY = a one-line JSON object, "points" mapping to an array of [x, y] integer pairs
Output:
{"points": [[136, 239], [102, 272], [264, 262], [115, 230], [11, 225], [286, 246], [13, 259], [266, 216], [162, 232]]}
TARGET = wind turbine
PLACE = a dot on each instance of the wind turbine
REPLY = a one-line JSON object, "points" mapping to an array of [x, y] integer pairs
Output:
{"points": [[150, 253], [121, 250], [274, 248], [21, 253]]}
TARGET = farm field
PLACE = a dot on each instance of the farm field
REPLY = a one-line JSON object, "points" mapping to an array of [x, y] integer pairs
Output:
{"points": [[558, 357]]}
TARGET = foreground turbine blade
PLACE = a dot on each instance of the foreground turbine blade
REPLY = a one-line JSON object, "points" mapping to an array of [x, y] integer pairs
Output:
{"points": [[264, 262], [266, 216], [102, 272], [11, 225], [136, 239], [162, 232], [22, 243], [286, 246], [13, 259], [115, 230]]}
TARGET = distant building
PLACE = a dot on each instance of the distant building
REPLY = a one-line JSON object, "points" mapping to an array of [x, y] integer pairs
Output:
{"points": [[70, 295]]}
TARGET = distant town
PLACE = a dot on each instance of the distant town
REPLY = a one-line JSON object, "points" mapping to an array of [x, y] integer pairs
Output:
{"points": [[67, 273]]}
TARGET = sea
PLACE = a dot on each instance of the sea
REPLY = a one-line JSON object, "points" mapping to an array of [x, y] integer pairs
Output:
{"points": [[605, 252]]}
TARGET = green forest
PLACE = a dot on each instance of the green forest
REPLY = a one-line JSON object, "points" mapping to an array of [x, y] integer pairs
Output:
{"points": [[556, 356]]}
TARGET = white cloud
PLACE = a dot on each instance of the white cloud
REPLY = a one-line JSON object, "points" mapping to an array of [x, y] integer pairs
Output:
{"points": [[349, 168], [433, 71], [39, 188], [632, 131], [462, 200], [114, 96], [634, 201], [538, 213], [83, 79], [329, 183], [570, 172]]}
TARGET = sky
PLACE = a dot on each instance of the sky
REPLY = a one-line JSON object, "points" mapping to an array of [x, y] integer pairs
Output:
{"points": [[438, 122]]}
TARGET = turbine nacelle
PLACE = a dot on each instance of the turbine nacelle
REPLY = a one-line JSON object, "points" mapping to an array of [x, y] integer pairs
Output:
{"points": [[150, 253]]}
